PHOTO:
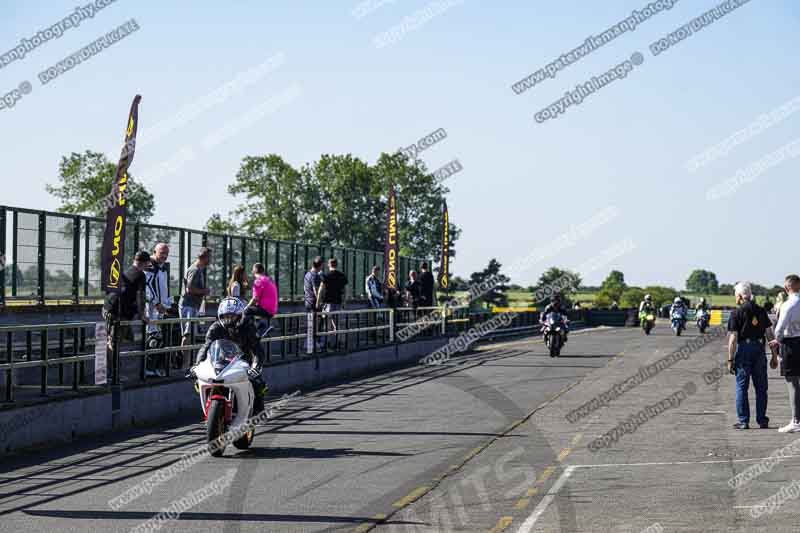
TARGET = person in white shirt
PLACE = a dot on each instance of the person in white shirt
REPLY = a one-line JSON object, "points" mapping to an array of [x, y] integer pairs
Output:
{"points": [[157, 295], [787, 337]]}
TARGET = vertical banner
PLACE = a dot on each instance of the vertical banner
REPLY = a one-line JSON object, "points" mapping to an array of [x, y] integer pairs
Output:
{"points": [[444, 268], [113, 249], [391, 248]]}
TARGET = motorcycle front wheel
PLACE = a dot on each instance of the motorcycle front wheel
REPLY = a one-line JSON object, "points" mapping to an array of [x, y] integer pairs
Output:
{"points": [[215, 427]]}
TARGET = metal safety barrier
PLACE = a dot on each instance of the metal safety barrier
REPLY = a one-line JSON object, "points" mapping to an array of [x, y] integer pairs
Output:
{"points": [[43, 361]]}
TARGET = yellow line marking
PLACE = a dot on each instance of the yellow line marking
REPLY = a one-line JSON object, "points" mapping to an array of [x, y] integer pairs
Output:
{"points": [[416, 493], [576, 439], [473, 453], [363, 527], [563, 454], [546, 474], [522, 503], [379, 516], [502, 524], [532, 492]]}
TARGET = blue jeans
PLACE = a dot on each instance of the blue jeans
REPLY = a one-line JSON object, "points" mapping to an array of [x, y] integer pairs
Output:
{"points": [[750, 362]]}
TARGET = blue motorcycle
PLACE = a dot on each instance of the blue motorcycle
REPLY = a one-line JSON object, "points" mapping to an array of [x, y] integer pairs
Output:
{"points": [[678, 321]]}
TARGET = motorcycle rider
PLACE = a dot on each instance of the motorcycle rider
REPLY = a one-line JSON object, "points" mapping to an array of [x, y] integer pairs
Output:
{"points": [[231, 324], [647, 305], [555, 307], [678, 306], [702, 305]]}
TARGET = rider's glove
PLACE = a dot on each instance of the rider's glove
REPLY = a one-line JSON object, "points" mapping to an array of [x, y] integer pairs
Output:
{"points": [[254, 373], [191, 373]]}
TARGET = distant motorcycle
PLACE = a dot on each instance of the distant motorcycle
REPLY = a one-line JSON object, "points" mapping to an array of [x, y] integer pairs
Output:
{"points": [[226, 394], [678, 322], [648, 321], [703, 318], [554, 329]]}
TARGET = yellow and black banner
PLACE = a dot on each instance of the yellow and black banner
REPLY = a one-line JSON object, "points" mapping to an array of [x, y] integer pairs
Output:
{"points": [[114, 238], [444, 268], [391, 250]]}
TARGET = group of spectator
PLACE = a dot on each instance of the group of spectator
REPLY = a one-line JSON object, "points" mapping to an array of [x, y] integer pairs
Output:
{"points": [[750, 331], [418, 291], [145, 294]]}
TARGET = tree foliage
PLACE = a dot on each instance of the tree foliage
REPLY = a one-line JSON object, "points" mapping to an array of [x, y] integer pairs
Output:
{"points": [[564, 282], [85, 182], [341, 200], [495, 297], [611, 290], [702, 282]]}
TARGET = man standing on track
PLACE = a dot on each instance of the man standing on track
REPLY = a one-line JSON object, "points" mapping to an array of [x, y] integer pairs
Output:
{"points": [[748, 326], [787, 338]]}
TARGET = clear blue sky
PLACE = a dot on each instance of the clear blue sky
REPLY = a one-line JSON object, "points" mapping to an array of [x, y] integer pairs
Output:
{"points": [[523, 183]]}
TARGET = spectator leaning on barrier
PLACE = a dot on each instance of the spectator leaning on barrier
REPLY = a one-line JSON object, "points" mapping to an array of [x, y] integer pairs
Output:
{"points": [[130, 300], [374, 288], [413, 290], [787, 338], [158, 299], [264, 303], [331, 290], [748, 326], [426, 285], [311, 283], [238, 285], [195, 283]]}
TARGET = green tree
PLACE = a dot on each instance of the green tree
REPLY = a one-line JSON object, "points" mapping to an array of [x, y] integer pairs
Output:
{"points": [[495, 297], [702, 282], [726, 289], [341, 200], [611, 290], [631, 297], [85, 182], [661, 295], [556, 280], [217, 224]]}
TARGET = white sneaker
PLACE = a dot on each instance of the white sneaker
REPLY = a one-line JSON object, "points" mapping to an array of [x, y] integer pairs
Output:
{"points": [[791, 427]]}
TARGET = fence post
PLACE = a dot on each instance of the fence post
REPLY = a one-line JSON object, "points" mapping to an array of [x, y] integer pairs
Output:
{"points": [[391, 325], [41, 259], [116, 386], [3, 258], [444, 320], [76, 259]]}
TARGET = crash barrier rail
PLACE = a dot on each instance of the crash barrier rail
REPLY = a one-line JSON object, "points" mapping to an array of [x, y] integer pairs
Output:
{"points": [[54, 258], [40, 361]]}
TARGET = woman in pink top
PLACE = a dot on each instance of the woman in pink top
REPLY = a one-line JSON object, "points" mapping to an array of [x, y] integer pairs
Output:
{"points": [[264, 303]]}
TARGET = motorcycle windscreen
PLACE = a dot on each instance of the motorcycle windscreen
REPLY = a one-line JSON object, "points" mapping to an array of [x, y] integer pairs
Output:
{"points": [[554, 318], [223, 351]]}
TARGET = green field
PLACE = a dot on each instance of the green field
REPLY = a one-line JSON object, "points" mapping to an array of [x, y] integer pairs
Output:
{"points": [[524, 299]]}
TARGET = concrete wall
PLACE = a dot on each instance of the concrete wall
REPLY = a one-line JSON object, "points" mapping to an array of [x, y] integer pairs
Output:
{"points": [[59, 422]]}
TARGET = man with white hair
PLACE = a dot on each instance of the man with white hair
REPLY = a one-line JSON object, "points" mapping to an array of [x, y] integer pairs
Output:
{"points": [[748, 327]]}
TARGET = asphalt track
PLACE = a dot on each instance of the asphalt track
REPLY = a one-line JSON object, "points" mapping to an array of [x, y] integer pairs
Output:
{"points": [[480, 443]]}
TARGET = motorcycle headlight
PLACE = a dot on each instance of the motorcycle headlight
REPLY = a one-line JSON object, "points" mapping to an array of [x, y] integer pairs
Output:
{"points": [[558, 329]]}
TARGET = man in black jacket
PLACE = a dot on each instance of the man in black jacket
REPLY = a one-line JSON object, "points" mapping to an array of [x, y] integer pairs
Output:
{"points": [[749, 328], [426, 283], [232, 325]]}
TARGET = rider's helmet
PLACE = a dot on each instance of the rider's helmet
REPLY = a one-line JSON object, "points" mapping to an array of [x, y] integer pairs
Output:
{"points": [[230, 312], [557, 298], [677, 301], [647, 298], [702, 300]]}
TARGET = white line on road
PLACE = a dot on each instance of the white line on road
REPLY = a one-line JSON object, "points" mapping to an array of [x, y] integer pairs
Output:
{"points": [[527, 526], [679, 463]]}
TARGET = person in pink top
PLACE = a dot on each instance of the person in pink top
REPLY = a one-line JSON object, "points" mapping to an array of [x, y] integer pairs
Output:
{"points": [[264, 303]]}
